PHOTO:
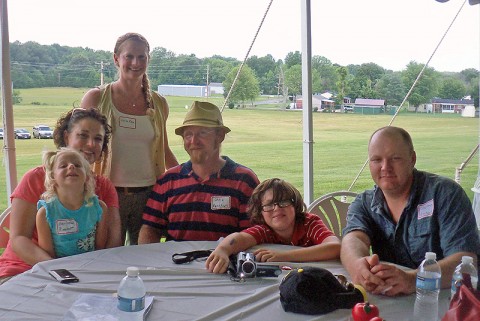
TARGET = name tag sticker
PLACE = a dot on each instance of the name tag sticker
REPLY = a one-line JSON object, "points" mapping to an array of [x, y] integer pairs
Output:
{"points": [[127, 122], [221, 203], [425, 209], [66, 226]]}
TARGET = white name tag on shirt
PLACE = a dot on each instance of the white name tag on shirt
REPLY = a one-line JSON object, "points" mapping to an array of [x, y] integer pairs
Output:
{"points": [[66, 226], [221, 203], [127, 122], [425, 209]]}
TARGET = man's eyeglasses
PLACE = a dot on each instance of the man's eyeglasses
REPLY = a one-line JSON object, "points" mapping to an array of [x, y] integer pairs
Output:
{"points": [[270, 207], [202, 133]]}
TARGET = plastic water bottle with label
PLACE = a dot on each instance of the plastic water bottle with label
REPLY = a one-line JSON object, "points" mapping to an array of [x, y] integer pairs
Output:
{"points": [[462, 271], [131, 296], [428, 282]]}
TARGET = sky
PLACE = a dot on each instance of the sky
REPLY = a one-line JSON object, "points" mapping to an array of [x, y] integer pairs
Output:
{"points": [[388, 33]]}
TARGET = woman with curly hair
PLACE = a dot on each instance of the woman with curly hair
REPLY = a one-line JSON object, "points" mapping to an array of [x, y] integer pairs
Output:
{"points": [[87, 132]]}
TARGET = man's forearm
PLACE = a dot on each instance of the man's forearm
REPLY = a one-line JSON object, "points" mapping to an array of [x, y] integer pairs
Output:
{"points": [[149, 234], [352, 249]]}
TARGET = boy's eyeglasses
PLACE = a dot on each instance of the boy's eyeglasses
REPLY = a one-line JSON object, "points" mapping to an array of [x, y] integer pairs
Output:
{"points": [[281, 204]]}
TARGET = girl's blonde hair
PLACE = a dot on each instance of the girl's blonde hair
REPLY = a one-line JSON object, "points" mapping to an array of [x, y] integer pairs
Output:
{"points": [[49, 160]]}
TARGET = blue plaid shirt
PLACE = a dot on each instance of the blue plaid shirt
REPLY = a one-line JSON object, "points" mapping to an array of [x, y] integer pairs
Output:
{"points": [[437, 218]]}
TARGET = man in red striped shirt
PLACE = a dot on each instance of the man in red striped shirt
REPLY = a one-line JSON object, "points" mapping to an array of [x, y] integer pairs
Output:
{"points": [[205, 198]]}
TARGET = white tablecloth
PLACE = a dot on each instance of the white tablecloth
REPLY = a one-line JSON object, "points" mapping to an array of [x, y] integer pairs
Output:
{"points": [[181, 292]]}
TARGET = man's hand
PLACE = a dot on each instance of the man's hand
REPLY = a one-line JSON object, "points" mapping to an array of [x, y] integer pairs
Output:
{"points": [[397, 281], [364, 275]]}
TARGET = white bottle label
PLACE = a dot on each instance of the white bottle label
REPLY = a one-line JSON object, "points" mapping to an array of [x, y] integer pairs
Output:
{"points": [[131, 305], [429, 284]]}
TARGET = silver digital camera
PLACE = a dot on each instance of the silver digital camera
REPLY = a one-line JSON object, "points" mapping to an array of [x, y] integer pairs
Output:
{"points": [[246, 267]]}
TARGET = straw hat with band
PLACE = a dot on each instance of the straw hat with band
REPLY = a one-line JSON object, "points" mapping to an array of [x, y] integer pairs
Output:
{"points": [[203, 114]]}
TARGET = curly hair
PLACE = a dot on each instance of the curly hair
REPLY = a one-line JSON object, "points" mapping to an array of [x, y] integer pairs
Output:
{"points": [[49, 160], [145, 80], [67, 121], [281, 191]]}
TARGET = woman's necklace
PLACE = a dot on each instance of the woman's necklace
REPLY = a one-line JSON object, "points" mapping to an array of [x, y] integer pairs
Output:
{"points": [[135, 100]]}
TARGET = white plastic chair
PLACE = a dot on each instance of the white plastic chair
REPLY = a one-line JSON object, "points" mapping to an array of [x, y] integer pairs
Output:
{"points": [[332, 209], [4, 227]]}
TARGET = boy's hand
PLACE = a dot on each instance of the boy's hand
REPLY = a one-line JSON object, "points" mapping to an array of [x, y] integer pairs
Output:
{"points": [[266, 255], [217, 262]]}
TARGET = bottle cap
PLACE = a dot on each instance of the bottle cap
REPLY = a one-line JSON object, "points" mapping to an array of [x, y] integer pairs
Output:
{"points": [[132, 271], [467, 259], [431, 256]]}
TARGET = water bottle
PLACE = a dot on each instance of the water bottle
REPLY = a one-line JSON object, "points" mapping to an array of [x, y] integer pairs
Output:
{"points": [[428, 287], [131, 296], [461, 271]]}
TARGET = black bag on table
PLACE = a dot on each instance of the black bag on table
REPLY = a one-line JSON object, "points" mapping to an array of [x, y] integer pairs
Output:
{"points": [[312, 290]]}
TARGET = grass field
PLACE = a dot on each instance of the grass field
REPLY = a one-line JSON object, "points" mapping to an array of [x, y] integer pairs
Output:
{"points": [[269, 140]]}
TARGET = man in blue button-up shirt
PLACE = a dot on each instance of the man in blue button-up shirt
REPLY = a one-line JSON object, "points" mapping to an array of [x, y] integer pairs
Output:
{"points": [[408, 213]]}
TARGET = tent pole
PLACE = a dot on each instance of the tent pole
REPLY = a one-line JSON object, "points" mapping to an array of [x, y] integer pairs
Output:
{"points": [[307, 102], [7, 105]]}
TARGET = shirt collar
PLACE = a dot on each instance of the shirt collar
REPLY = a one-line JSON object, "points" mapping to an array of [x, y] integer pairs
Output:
{"points": [[227, 170]]}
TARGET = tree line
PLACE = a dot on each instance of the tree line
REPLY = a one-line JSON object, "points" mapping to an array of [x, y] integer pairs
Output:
{"points": [[34, 66]]}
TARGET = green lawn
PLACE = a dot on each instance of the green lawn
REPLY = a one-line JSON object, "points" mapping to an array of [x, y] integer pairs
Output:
{"points": [[270, 141]]}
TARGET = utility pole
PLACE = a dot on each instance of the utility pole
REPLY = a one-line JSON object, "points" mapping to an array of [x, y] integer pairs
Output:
{"points": [[208, 80], [102, 64], [281, 89]]}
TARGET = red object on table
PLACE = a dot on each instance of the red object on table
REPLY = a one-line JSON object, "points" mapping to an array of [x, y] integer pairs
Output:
{"points": [[364, 311]]}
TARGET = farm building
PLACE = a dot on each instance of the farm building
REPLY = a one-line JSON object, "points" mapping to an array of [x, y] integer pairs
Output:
{"points": [[319, 102], [451, 106], [191, 90], [369, 106]]}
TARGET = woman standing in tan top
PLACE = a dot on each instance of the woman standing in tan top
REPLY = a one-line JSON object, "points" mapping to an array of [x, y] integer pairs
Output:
{"points": [[139, 150]]}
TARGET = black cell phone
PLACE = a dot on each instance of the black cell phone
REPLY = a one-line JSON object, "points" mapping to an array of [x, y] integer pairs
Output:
{"points": [[63, 276]]}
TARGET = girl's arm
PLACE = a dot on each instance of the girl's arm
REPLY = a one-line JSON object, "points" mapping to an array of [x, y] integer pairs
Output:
{"points": [[101, 235], [114, 228], [218, 261], [44, 234], [329, 249]]}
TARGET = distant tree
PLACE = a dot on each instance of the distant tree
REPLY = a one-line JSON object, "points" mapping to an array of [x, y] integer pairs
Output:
{"points": [[473, 90], [326, 73], [293, 79], [370, 71], [467, 75], [246, 87], [219, 68], [341, 84], [451, 88], [16, 97], [265, 69], [391, 88], [292, 59], [426, 88]]}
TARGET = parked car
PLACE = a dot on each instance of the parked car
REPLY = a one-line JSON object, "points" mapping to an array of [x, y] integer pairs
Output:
{"points": [[1, 133], [22, 133], [42, 131]]}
